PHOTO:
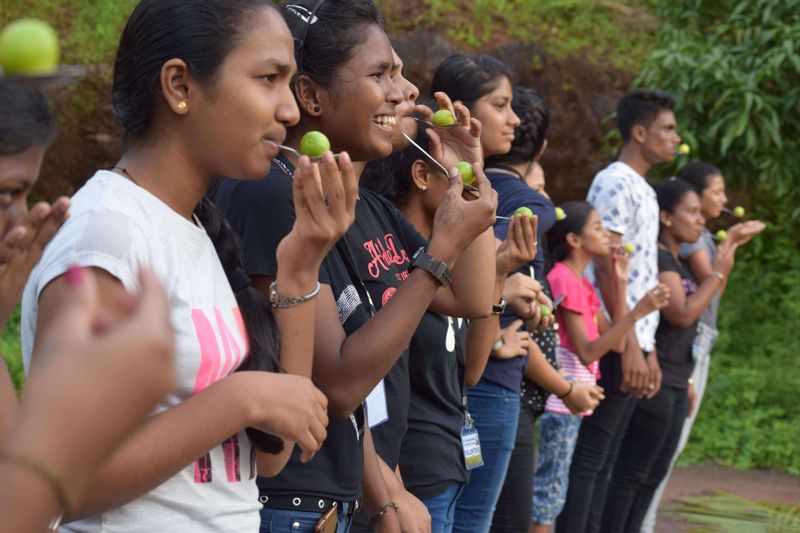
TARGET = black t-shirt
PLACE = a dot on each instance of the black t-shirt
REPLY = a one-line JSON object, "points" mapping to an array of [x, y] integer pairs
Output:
{"points": [[381, 241], [431, 458], [673, 343]]}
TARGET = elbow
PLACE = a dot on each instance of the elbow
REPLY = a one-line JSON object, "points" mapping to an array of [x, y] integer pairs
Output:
{"points": [[471, 379], [585, 358], [272, 465], [340, 403]]}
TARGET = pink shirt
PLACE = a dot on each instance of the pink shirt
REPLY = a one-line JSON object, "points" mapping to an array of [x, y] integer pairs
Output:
{"points": [[579, 297]]}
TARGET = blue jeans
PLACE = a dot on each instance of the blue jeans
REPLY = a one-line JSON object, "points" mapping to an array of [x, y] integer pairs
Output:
{"points": [[557, 436], [280, 520], [495, 410], [442, 508]]}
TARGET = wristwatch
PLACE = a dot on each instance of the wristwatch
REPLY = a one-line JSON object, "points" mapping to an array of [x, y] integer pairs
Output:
{"points": [[498, 308], [434, 267]]}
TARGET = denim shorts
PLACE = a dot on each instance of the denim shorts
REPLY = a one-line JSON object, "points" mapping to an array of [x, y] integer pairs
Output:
{"points": [[557, 437]]}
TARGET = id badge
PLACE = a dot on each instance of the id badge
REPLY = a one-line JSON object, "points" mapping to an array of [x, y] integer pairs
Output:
{"points": [[471, 445]]}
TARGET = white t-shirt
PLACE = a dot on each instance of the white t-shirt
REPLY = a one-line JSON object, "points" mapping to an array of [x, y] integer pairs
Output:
{"points": [[628, 206], [117, 226]]}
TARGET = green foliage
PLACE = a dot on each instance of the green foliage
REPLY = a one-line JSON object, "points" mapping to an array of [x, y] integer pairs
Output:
{"points": [[10, 347], [602, 31], [734, 67]]}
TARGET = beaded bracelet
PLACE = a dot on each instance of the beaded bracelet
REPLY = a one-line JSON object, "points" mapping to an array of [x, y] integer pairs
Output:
{"points": [[380, 512]]}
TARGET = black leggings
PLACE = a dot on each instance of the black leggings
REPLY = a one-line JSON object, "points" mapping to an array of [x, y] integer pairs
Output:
{"points": [[644, 458], [512, 514]]}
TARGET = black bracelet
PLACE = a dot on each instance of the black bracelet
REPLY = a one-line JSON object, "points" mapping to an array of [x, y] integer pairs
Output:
{"points": [[380, 512], [566, 393]]}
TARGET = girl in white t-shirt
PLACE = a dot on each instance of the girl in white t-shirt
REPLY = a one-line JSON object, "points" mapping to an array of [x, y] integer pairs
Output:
{"points": [[201, 89], [585, 334]]}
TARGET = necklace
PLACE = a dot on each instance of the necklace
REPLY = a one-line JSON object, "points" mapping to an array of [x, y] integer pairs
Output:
{"points": [[126, 173]]}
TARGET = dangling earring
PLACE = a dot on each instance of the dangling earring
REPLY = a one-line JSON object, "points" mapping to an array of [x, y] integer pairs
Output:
{"points": [[182, 106]]}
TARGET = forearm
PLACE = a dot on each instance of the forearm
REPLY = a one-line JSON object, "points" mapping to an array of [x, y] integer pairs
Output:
{"points": [[613, 339], [366, 356], [695, 305], [27, 501], [540, 372], [296, 331], [8, 402], [168, 442], [474, 271], [481, 335], [373, 485]]}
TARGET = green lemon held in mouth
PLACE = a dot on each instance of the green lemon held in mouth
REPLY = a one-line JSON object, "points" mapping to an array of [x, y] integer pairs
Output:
{"points": [[722, 235], [443, 117], [29, 46], [629, 248], [684, 149], [545, 311], [466, 172], [524, 211], [314, 144], [560, 214], [738, 211]]}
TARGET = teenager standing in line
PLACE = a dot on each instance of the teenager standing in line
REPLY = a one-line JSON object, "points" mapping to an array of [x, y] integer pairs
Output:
{"points": [[345, 90], [629, 209], [199, 89], [709, 184], [656, 423], [483, 84]]}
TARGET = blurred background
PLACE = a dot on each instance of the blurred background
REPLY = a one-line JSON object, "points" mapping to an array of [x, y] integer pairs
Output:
{"points": [[734, 68]]}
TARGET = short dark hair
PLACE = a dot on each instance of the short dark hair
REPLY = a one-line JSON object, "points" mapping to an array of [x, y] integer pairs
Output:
{"points": [[468, 78], [25, 119], [531, 133], [327, 33], [641, 107], [671, 192], [697, 173]]}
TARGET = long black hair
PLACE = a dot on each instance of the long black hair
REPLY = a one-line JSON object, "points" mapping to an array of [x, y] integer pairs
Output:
{"points": [[468, 78], [327, 33], [671, 192], [202, 33], [577, 213]]}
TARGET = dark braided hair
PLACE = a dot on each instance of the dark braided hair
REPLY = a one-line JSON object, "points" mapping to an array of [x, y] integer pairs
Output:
{"points": [[25, 119], [202, 33], [697, 173]]}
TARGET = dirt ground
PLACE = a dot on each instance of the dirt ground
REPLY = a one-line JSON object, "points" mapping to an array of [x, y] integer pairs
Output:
{"points": [[757, 486]]}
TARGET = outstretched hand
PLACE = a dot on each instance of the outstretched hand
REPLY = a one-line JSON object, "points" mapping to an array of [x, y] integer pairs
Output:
{"points": [[22, 247]]}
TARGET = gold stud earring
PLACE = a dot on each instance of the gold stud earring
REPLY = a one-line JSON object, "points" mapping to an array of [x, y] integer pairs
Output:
{"points": [[182, 106]]}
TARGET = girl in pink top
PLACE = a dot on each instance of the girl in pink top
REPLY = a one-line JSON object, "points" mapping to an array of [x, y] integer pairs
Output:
{"points": [[585, 335]]}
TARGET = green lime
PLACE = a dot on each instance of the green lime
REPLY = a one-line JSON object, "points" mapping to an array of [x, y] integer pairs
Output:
{"points": [[314, 144], [443, 117], [29, 46], [722, 235], [560, 214], [545, 311], [684, 149], [629, 248], [466, 172], [524, 211], [738, 211]]}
